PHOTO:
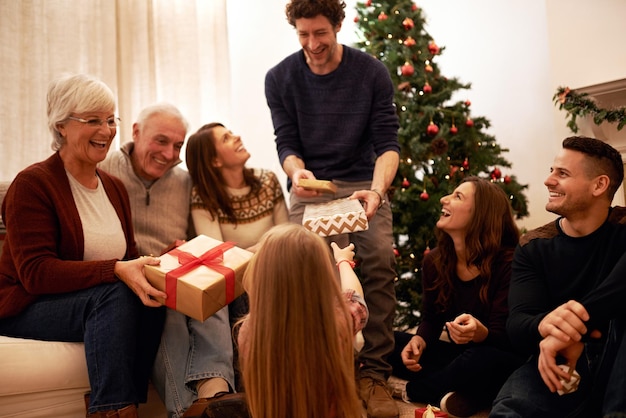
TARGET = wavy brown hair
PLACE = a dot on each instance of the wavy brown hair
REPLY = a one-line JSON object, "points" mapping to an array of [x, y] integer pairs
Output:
{"points": [[491, 234], [207, 178], [298, 359]]}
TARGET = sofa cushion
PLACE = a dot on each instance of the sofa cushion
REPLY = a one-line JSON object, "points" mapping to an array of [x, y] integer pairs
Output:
{"points": [[42, 378], [4, 185]]}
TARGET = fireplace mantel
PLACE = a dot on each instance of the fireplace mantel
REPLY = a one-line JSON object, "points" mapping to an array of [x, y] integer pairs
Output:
{"points": [[607, 95]]}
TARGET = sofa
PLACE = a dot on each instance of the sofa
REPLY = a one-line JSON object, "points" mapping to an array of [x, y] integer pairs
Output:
{"points": [[47, 378]]}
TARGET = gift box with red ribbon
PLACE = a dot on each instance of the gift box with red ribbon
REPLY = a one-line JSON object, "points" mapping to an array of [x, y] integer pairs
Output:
{"points": [[430, 412], [201, 276]]}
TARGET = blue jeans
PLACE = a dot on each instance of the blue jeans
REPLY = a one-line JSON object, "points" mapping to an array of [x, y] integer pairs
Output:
{"points": [[190, 351], [614, 404], [121, 338], [374, 248], [601, 391]]}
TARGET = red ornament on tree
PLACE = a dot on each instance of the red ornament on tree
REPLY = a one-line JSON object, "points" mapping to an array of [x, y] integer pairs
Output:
{"points": [[408, 23], [356, 19], [453, 129], [427, 88], [468, 103], [396, 253], [507, 179], [368, 3], [466, 164], [407, 69], [433, 48], [413, 7], [432, 129], [469, 123], [382, 16], [409, 41], [424, 196], [427, 250], [405, 183], [496, 173], [428, 68]]}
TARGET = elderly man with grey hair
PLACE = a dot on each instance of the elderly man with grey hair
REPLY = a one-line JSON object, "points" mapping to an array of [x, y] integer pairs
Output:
{"points": [[195, 359]]}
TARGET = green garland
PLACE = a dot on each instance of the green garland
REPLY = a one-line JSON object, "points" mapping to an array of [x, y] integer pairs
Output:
{"points": [[577, 104]]}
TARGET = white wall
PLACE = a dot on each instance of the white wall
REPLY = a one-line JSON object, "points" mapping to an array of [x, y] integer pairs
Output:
{"points": [[587, 48], [515, 53]]}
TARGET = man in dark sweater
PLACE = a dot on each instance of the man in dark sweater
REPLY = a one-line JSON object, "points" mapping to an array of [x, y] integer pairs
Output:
{"points": [[567, 293], [334, 119]]}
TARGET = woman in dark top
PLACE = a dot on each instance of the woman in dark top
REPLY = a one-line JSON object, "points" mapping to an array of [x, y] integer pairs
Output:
{"points": [[460, 355]]}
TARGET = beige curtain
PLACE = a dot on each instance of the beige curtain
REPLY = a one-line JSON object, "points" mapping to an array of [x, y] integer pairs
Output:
{"points": [[146, 50]]}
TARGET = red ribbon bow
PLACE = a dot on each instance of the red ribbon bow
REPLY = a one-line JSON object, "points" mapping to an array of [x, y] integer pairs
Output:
{"points": [[212, 259]]}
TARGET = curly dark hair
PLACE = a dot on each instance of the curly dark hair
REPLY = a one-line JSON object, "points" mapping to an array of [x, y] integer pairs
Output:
{"points": [[333, 10]]}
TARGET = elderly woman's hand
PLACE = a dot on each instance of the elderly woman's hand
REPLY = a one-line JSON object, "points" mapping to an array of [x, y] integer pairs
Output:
{"points": [[131, 273]]}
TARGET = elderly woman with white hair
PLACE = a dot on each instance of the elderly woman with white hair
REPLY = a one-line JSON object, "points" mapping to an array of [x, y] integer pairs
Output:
{"points": [[69, 269]]}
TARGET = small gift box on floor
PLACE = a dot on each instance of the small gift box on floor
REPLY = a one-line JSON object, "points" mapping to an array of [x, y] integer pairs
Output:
{"points": [[201, 276], [335, 217], [430, 412]]}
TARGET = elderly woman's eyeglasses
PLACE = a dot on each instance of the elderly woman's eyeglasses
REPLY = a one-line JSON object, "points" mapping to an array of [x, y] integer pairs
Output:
{"points": [[96, 123]]}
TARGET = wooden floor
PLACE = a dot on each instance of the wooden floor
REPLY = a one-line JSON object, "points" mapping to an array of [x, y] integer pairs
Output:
{"points": [[407, 410], [156, 409]]}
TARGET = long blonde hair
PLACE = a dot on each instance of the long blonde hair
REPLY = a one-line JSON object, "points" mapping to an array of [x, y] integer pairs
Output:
{"points": [[299, 360]]}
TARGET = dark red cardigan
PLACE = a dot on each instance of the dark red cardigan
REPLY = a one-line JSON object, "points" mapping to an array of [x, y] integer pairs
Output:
{"points": [[43, 249]]}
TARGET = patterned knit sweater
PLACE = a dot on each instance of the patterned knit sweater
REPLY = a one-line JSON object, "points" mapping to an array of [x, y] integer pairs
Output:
{"points": [[255, 213]]}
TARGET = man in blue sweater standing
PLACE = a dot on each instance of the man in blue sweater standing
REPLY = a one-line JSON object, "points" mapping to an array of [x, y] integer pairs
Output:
{"points": [[334, 119]]}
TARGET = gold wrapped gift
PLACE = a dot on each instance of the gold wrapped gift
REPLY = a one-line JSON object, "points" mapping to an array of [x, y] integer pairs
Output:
{"points": [[201, 276], [318, 185]]}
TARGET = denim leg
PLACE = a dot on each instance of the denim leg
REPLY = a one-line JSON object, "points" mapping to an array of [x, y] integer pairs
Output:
{"points": [[191, 350], [524, 394], [211, 352], [374, 248], [108, 319], [614, 404], [171, 364], [148, 340]]}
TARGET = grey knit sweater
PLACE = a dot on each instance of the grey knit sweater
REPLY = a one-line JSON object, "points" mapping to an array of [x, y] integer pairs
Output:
{"points": [[160, 211]]}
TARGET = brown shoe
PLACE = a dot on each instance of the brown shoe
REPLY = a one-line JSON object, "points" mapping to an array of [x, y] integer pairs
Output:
{"points": [[129, 411], [231, 405], [377, 398], [196, 410], [222, 405]]}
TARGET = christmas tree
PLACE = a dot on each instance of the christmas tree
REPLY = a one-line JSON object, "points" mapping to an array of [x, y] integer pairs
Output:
{"points": [[441, 141]]}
